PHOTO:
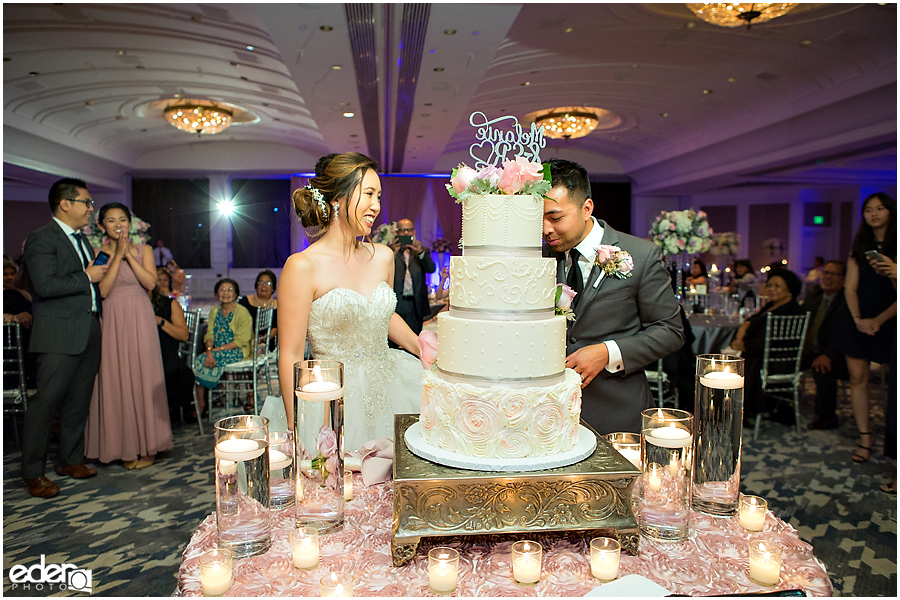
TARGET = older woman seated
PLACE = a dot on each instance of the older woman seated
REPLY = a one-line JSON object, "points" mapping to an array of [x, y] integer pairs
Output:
{"points": [[782, 288], [227, 339]]}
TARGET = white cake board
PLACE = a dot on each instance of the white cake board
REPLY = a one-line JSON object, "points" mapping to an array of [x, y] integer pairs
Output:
{"points": [[584, 447]]}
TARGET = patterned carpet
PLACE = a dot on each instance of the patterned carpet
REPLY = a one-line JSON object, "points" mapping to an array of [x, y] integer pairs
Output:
{"points": [[130, 527]]}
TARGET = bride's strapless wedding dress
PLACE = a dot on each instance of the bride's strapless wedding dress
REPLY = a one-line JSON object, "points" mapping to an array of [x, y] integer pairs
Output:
{"points": [[346, 326]]}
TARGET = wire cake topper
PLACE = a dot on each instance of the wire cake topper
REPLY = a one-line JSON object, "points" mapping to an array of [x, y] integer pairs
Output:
{"points": [[504, 145]]}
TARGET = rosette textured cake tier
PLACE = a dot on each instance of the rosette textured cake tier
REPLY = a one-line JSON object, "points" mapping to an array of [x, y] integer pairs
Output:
{"points": [[500, 388]]}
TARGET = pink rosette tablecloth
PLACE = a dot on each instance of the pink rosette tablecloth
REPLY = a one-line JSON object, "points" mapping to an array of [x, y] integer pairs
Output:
{"points": [[714, 560]]}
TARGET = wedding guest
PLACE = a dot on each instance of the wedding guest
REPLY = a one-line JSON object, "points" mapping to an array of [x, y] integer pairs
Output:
{"points": [[227, 339], [338, 292], [178, 277], [65, 335], [265, 285], [412, 262], [872, 300], [172, 329], [811, 281], [17, 309], [129, 416], [744, 281], [782, 289], [823, 350], [698, 274], [161, 255], [624, 321]]}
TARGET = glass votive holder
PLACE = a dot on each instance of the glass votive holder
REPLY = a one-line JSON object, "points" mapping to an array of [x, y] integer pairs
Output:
{"points": [[753, 513], [348, 486], [654, 476], [443, 569], [628, 445], [215, 572], [526, 562], [605, 554], [305, 547], [765, 562], [336, 585]]}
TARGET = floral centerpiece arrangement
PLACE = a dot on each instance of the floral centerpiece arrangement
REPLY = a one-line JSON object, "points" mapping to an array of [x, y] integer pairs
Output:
{"points": [[727, 242], [385, 233], [519, 176], [680, 231], [137, 231]]}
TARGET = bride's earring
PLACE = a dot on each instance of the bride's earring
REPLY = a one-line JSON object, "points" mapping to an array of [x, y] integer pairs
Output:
{"points": [[334, 211]]}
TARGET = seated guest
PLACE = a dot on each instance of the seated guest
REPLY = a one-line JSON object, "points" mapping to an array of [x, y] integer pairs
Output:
{"points": [[17, 309], [782, 288], [744, 280], [823, 350], [227, 339], [172, 329], [698, 274], [263, 298], [815, 274]]}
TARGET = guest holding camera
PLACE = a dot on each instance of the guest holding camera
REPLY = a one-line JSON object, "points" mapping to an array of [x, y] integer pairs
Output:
{"points": [[129, 416], [412, 262]]}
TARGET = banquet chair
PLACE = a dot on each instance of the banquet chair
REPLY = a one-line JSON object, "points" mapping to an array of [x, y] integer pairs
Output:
{"points": [[780, 372], [188, 352], [661, 386], [245, 373], [15, 394]]}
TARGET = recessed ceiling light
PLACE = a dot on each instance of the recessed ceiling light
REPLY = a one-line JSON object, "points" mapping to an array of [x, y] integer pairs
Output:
{"points": [[349, 114], [196, 18], [449, 32], [138, 66], [89, 103], [233, 64], [568, 30], [326, 28], [420, 136], [428, 104], [664, 114], [176, 95], [731, 80], [426, 114], [354, 135], [121, 52], [336, 67], [265, 104], [243, 78], [438, 69], [806, 42], [526, 83], [707, 91], [251, 48], [34, 73], [690, 25]]}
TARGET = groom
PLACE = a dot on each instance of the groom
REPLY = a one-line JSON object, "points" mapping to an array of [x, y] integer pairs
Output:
{"points": [[624, 321]]}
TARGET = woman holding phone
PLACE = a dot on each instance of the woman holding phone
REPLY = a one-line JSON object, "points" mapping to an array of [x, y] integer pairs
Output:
{"points": [[129, 414], [872, 300]]}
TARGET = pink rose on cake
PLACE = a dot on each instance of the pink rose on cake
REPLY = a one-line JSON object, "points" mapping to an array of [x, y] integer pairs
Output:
{"points": [[516, 173], [428, 345], [519, 176], [490, 175], [462, 179], [564, 297]]}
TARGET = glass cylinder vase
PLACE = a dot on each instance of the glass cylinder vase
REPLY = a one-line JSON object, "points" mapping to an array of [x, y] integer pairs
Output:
{"points": [[242, 485], [718, 414], [319, 444], [664, 505], [281, 469]]}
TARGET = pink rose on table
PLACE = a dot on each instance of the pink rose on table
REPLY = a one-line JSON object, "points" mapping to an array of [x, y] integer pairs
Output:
{"points": [[516, 173], [566, 297], [428, 345], [326, 442], [463, 179]]}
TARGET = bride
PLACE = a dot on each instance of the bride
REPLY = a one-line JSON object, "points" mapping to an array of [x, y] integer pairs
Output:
{"points": [[338, 294]]}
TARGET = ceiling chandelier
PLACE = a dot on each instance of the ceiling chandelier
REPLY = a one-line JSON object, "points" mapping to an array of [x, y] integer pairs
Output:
{"points": [[567, 123], [736, 14], [200, 117]]}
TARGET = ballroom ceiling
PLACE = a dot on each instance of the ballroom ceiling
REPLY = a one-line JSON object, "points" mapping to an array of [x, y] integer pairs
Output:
{"points": [[808, 98]]}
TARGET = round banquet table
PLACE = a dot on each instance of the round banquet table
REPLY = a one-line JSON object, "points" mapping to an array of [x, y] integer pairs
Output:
{"points": [[712, 333], [712, 561]]}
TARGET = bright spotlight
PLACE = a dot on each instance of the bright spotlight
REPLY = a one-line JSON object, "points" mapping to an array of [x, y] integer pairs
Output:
{"points": [[226, 206]]}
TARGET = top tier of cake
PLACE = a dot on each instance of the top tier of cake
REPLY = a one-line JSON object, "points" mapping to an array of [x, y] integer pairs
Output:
{"points": [[511, 224]]}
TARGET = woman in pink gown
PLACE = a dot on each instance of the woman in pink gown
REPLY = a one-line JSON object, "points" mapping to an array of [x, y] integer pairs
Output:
{"points": [[129, 415]]}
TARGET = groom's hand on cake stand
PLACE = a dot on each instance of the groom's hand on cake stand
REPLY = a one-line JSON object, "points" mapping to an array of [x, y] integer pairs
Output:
{"points": [[588, 361]]}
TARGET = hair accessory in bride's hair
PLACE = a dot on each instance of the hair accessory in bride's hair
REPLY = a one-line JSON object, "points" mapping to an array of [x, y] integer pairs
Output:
{"points": [[319, 198]]}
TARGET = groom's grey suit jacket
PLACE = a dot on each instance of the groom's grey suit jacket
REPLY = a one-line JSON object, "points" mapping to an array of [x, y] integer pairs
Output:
{"points": [[640, 314]]}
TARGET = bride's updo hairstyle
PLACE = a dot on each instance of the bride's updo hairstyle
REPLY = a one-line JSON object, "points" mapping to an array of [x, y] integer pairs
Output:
{"points": [[337, 176]]}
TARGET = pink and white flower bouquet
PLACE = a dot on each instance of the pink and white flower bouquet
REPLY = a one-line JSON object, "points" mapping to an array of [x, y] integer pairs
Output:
{"points": [[727, 242], [680, 231], [519, 176]]}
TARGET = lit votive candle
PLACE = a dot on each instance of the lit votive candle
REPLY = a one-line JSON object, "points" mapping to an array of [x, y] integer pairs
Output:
{"points": [[305, 547], [628, 445], [722, 380], [335, 585], [753, 513], [215, 572], [654, 476], [674, 463], [765, 562], [443, 569], [348, 486], [526, 562], [278, 459], [605, 558], [238, 449], [320, 391], [671, 436]]}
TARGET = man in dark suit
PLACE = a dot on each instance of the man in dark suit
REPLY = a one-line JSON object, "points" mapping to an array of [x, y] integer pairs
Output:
{"points": [[65, 336], [411, 262], [622, 324], [822, 349]]}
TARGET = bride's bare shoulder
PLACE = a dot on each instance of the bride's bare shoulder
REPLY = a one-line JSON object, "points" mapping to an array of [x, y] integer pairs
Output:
{"points": [[300, 263]]}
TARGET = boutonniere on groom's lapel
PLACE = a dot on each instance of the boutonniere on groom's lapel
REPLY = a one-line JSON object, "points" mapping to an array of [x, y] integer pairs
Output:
{"points": [[614, 261]]}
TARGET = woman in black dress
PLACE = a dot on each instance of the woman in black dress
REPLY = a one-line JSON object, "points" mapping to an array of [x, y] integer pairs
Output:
{"points": [[872, 300]]}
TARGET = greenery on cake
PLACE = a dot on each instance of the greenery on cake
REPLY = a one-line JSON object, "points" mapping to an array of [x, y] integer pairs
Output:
{"points": [[519, 176]]}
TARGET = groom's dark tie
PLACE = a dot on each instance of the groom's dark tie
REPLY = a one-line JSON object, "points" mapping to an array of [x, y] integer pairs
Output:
{"points": [[575, 279]]}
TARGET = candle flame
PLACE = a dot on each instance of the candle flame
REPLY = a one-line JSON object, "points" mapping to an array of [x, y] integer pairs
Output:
{"points": [[317, 373], [727, 369], [526, 547], [339, 590], [672, 425], [767, 556], [659, 414]]}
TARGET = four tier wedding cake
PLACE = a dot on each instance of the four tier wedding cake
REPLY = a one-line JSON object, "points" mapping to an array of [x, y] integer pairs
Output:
{"points": [[499, 387]]}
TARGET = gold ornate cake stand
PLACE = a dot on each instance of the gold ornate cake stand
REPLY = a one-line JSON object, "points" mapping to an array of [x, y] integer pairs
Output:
{"points": [[432, 500]]}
